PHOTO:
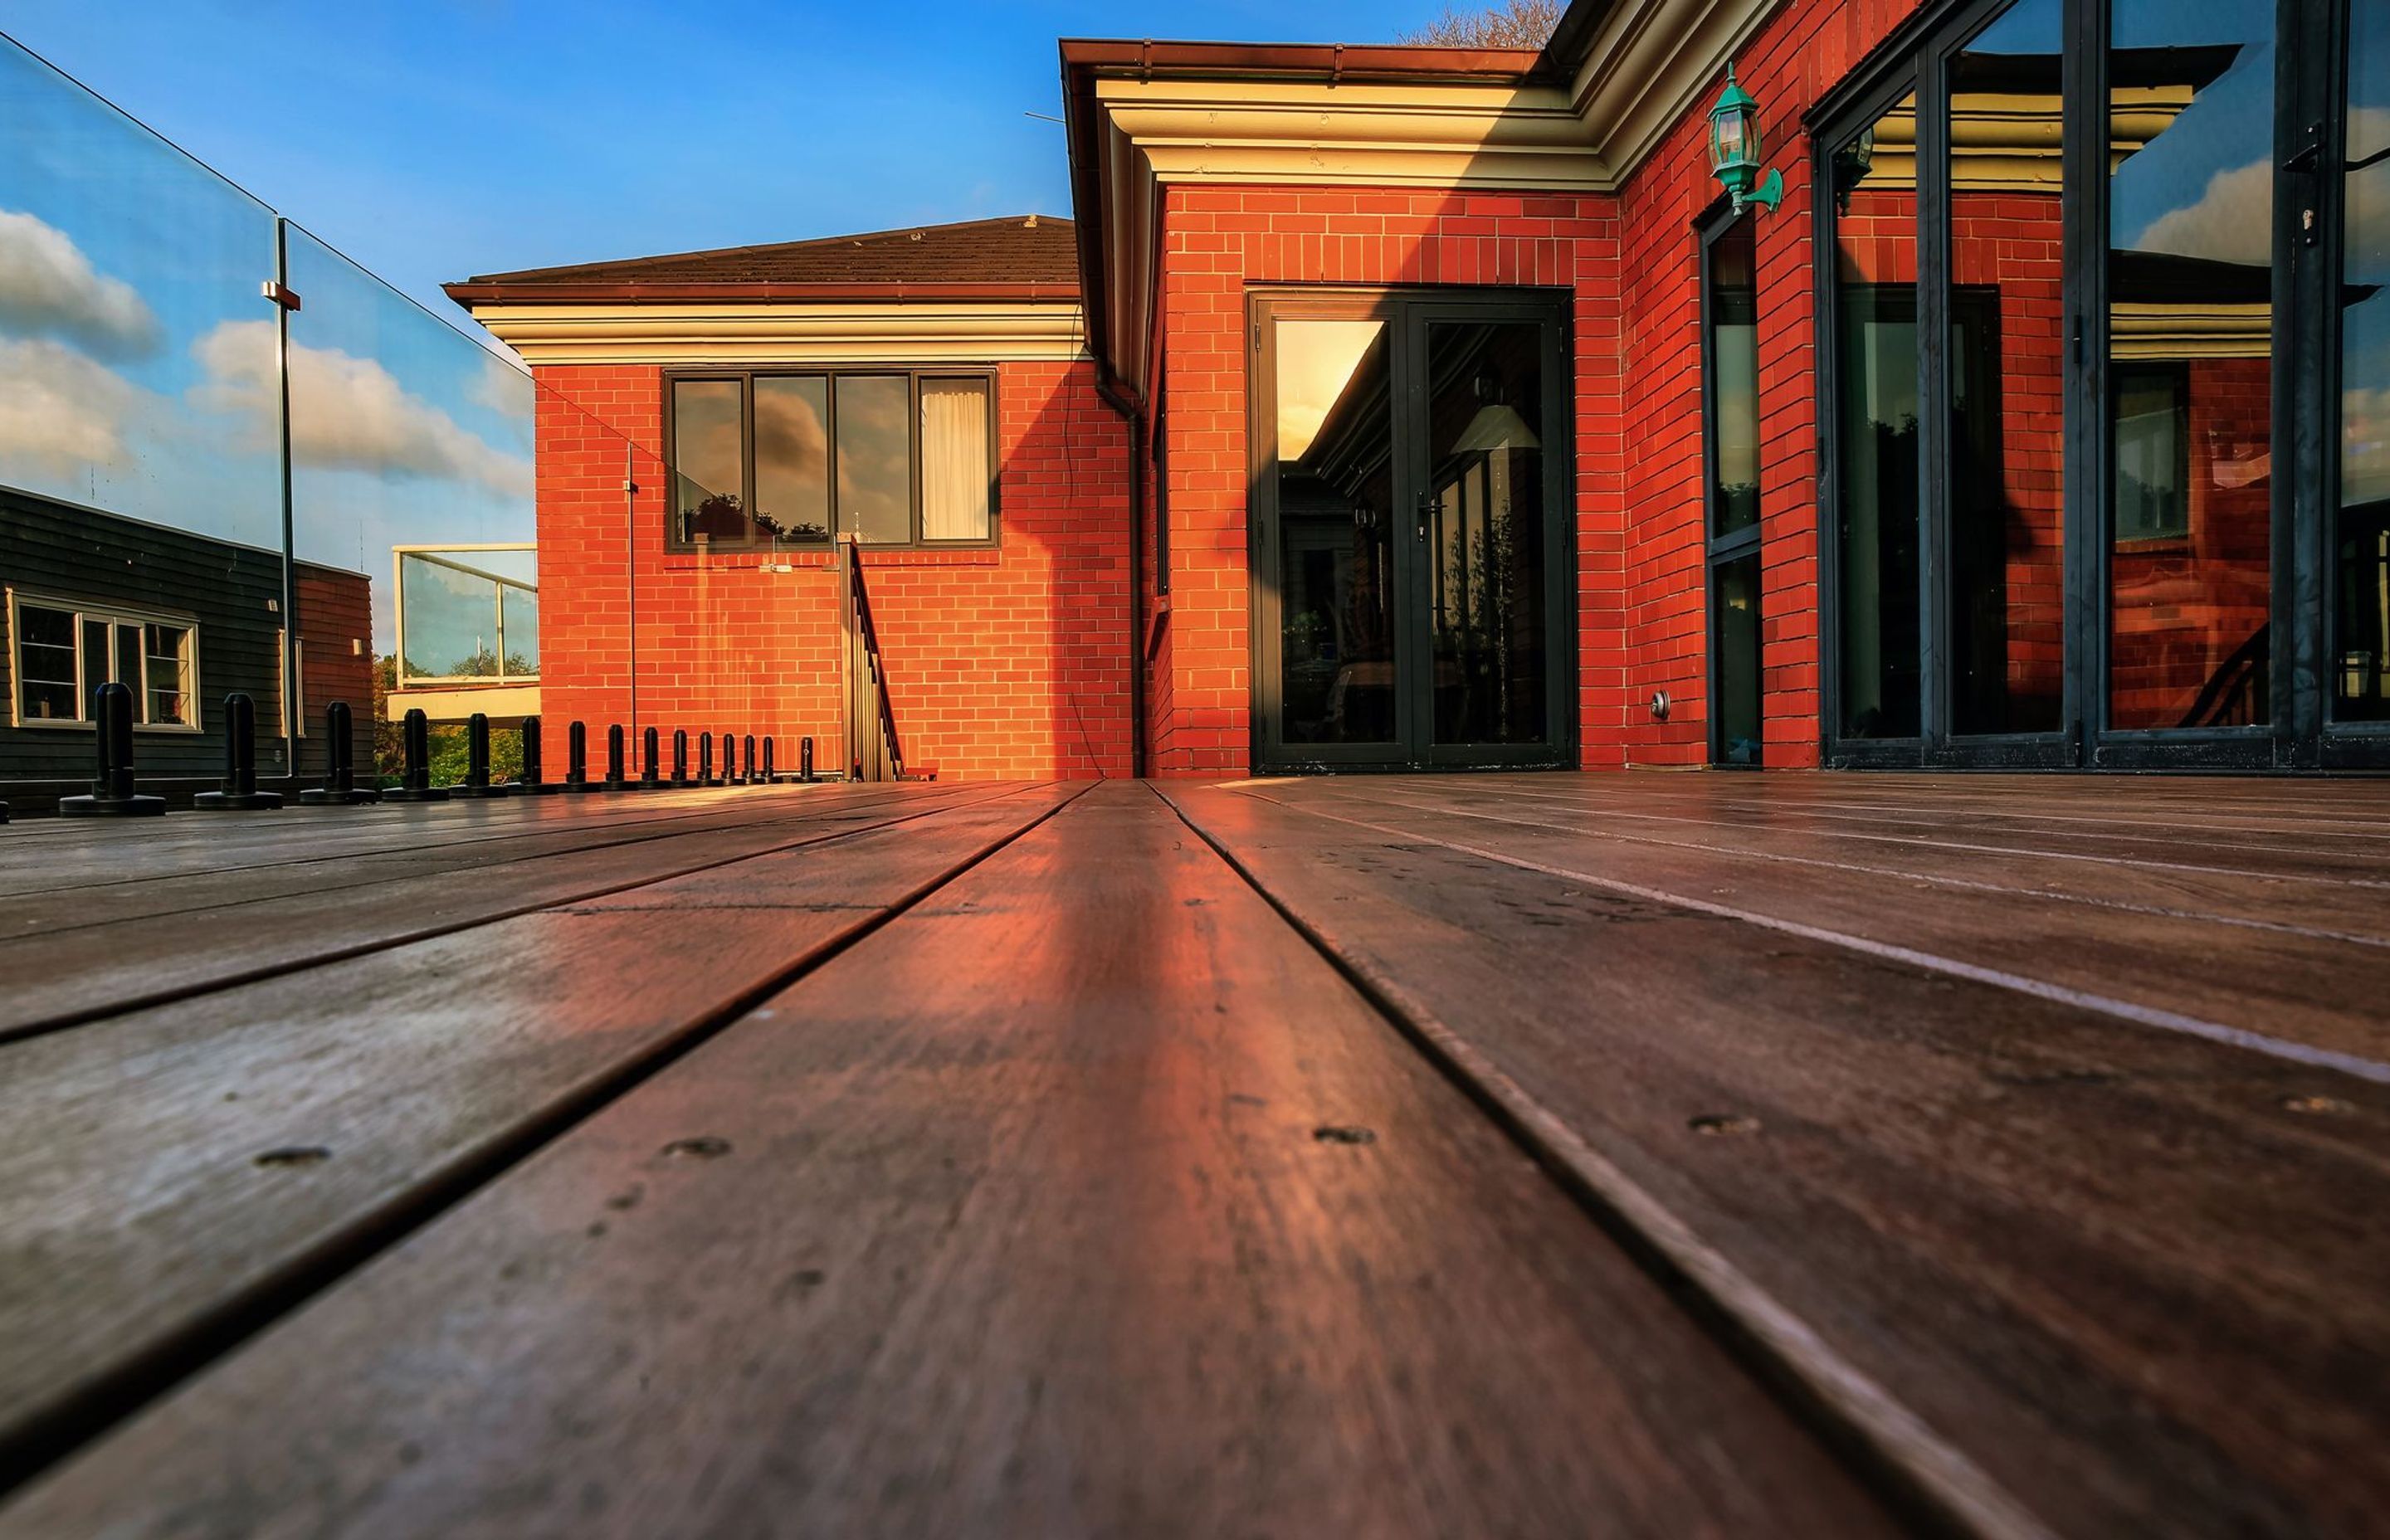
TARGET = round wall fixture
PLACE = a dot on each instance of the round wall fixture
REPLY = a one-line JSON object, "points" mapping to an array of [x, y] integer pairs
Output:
{"points": [[1660, 705]]}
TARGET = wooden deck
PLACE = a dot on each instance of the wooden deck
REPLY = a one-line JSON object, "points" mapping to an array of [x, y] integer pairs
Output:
{"points": [[1645, 1155]]}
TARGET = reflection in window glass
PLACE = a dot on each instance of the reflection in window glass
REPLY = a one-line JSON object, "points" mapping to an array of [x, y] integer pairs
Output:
{"points": [[2361, 677], [792, 458], [1734, 379], [2153, 501], [2006, 581], [1735, 621], [875, 463], [2191, 228], [167, 651], [128, 664], [1876, 513], [707, 480], [954, 459], [519, 622], [45, 666], [1335, 516], [1486, 634]]}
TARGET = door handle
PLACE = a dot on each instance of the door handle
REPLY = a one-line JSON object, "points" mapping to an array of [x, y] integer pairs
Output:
{"points": [[1426, 512], [2308, 161]]}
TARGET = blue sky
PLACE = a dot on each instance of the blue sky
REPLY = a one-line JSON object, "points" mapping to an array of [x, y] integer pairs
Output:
{"points": [[443, 137]]}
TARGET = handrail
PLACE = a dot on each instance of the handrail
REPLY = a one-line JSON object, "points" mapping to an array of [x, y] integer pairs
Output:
{"points": [[873, 750], [2234, 691]]}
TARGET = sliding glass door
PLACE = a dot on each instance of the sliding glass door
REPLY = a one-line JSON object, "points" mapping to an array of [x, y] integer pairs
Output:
{"points": [[2101, 378], [1410, 528]]}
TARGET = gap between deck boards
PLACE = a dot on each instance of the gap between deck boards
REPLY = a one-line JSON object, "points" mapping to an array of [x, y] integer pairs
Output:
{"points": [[308, 939], [35, 1435]]}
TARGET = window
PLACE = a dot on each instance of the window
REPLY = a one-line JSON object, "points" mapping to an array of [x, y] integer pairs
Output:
{"points": [[1734, 380], [48, 686], [1876, 416], [1730, 421], [886, 457], [65, 651], [166, 652], [2152, 452]]}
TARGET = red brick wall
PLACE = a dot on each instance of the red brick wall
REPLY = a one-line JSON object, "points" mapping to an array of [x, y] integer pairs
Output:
{"points": [[1002, 663], [1219, 239], [335, 611]]}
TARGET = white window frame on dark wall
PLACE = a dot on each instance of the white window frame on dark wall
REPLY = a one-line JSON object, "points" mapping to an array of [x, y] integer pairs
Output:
{"points": [[86, 679]]}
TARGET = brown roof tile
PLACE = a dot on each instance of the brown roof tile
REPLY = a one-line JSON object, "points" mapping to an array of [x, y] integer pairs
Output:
{"points": [[1014, 250]]}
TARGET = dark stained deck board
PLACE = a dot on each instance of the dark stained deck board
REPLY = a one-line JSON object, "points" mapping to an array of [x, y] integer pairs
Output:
{"points": [[2178, 840], [2097, 821], [434, 850], [2353, 906], [2155, 843], [2340, 865], [2312, 989], [259, 922], [2107, 1262], [184, 846], [1022, 1228], [134, 1222]]}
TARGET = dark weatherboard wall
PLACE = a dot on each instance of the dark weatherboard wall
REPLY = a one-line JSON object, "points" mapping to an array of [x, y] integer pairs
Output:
{"points": [[55, 551]]}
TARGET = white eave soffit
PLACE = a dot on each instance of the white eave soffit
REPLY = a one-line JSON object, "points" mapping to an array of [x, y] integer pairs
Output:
{"points": [[1651, 62]]}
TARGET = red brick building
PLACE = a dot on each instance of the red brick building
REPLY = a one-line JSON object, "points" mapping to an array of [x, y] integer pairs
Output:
{"points": [[1407, 407]]}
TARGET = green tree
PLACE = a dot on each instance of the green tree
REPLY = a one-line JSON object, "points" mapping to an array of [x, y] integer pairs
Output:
{"points": [[387, 755], [449, 757]]}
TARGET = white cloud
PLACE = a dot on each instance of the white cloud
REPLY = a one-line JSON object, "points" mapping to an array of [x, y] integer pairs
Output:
{"points": [[49, 289], [2233, 220], [346, 413], [61, 413], [2365, 446], [500, 386]]}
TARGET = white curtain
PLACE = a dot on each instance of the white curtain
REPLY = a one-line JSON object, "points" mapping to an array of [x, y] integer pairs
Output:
{"points": [[954, 459]]}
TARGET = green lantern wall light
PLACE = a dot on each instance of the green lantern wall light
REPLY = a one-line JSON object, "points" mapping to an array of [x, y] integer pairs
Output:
{"points": [[1735, 150]]}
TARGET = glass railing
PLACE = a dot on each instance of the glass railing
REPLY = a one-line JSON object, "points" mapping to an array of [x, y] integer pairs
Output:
{"points": [[219, 433], [223, 440]]}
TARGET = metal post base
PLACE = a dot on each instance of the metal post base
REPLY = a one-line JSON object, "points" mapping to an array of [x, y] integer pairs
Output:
{"points": [[136, 806], [235, 802], [356, 796]]}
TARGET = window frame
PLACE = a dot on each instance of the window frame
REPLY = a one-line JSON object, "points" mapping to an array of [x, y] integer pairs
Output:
{"points": [[1721, 551], [2174, 377], [915, 375], [113, 616]]}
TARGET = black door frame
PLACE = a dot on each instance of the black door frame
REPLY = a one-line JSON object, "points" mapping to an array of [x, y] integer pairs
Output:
{"points": [[2310, 53], [1408, 312]]}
